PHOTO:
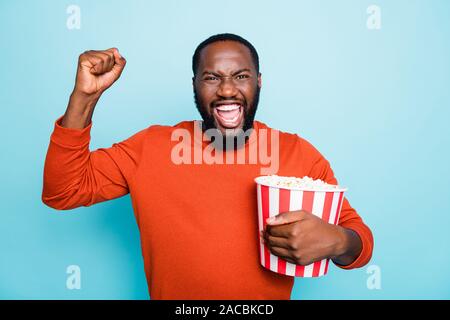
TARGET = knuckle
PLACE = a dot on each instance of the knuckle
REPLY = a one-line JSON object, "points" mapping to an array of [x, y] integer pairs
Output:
{"points": [[293, 232], [292, 245]]}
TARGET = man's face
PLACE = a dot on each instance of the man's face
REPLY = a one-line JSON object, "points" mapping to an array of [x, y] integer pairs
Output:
{"points": [[226, 87]]}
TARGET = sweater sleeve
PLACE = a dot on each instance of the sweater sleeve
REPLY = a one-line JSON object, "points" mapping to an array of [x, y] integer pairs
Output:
{"points": [[74, 176], [349, 218]]}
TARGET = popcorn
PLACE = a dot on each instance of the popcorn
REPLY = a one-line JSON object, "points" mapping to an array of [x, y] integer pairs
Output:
{"points": [[294, 183], [277, 194]]}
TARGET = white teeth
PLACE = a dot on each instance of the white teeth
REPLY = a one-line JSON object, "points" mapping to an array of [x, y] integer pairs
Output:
{"points": [[228, 107]]}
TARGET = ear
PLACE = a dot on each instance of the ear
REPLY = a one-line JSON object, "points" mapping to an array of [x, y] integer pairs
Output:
{"points": [[259, 80]]}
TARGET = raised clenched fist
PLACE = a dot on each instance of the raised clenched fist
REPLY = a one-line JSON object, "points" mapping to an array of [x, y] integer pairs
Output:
{"points": [[98, 70]]}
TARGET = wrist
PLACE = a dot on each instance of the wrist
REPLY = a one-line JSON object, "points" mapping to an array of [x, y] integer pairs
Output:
{"points": [[79, 111], [342, 241], [348, 247], [80, 98]]}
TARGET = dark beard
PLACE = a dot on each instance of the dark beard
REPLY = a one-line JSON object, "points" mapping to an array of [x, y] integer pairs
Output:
{"points": [[209, 122]]}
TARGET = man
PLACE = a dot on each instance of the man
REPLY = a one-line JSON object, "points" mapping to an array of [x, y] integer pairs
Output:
{"points": [[198, 221]]}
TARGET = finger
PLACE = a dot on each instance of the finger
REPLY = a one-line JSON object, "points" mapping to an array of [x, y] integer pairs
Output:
{"points": [[118, 58], [276, 241], [108, 59], [109, 52], [94, 62], [119, 62], [287, 217], [284, 230], [88, 60], [118, 68], [282, 253], [103, 62], [112, 50]]}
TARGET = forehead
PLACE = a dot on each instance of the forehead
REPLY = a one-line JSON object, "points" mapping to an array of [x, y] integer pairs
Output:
{"points": [[225, 56]]}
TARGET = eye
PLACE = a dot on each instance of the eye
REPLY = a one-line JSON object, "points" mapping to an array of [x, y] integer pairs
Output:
{"points": [[242, 76], [210, 78]]}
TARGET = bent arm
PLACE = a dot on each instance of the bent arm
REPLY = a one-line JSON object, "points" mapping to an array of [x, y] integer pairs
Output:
{"points": [[74, 176], [357, 240]]}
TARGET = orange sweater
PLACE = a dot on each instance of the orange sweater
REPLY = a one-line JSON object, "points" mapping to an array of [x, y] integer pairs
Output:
{"points": [[198, 222]]}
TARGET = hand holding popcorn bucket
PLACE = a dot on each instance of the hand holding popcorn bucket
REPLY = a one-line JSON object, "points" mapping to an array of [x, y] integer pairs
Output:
{"points": [[278, 194]]}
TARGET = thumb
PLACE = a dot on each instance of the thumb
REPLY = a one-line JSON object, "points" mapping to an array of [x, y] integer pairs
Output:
{"points": [[119, 61], [286, 217], [118, 58]]}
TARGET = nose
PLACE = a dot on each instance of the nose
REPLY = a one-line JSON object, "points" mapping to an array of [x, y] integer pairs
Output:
{"points": [[227, 88]]}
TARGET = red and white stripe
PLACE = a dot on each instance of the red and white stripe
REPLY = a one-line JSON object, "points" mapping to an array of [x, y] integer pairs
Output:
{"points": [[272, 201]]}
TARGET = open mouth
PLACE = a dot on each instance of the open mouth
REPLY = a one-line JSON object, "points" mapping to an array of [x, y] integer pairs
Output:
{"points": [[229, 116]]}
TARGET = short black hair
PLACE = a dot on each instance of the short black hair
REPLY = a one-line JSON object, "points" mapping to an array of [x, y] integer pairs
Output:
{"points": [[224, 37]]}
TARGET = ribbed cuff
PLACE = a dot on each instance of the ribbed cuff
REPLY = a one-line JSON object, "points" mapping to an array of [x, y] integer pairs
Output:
{"points": [[70, 137]]}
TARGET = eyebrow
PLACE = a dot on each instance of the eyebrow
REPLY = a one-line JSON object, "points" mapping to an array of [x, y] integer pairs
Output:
{"points": [[233, 74]]}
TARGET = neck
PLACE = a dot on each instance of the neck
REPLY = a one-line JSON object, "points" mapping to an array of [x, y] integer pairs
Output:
{"points": [[227, 142]]}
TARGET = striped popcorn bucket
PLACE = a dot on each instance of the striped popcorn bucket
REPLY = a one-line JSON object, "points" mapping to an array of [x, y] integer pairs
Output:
{"points": [[325, 204]]}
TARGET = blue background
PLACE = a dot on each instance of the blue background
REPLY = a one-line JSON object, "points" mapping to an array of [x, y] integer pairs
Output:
{"points": [[374, 102]]}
